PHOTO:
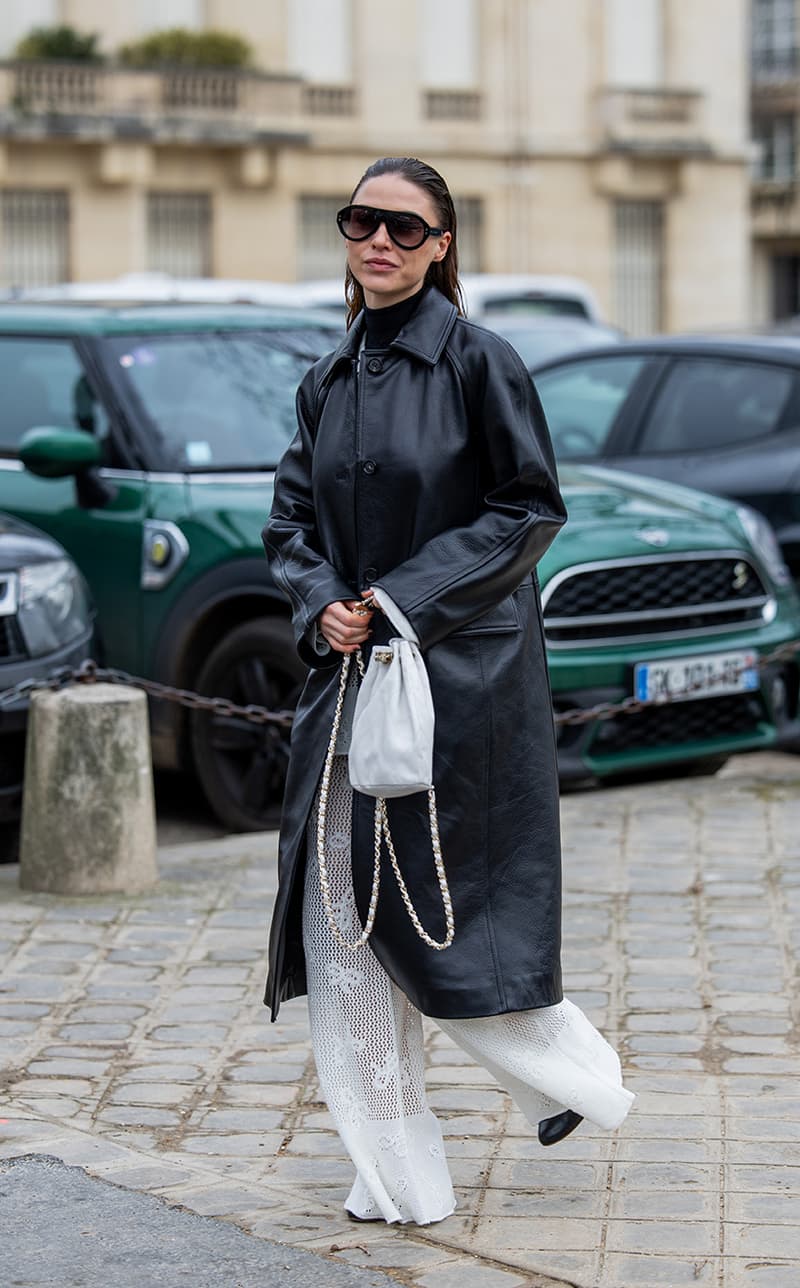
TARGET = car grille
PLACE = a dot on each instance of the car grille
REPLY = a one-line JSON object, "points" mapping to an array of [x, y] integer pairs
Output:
{"points": [[679, 722], [12, 645], [655, 597]]}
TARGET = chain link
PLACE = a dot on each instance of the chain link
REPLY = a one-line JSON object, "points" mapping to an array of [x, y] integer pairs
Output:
{"points": [[90, 673]]}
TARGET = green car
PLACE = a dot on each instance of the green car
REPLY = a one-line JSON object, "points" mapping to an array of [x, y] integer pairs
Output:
{"points": [[144, 440]]}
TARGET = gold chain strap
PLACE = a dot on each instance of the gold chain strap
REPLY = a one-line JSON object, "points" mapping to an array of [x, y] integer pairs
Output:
{"points": [[382, 826], [381, 832]]}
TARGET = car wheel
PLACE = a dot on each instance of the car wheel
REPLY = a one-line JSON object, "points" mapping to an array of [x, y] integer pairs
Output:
{"points": [[241, 765]]}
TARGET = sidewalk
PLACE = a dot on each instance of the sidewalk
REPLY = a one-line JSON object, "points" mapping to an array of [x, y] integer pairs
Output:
{"points": [[137, 1049]]}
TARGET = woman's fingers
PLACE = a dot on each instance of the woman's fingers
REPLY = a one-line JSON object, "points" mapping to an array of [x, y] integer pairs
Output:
{"points": [[343, 628]]}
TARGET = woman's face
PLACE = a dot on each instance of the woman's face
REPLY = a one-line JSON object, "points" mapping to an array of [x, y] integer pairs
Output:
{"points": [[388, 273]]}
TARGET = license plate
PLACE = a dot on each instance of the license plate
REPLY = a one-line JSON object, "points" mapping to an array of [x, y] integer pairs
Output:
{"points": [[681, 679]]}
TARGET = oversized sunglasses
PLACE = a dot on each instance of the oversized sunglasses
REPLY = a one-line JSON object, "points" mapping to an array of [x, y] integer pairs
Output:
{"points": [[407, 230]]}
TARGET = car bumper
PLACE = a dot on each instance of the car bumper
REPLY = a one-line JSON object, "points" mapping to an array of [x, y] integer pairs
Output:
{"points": [[676, 731]]}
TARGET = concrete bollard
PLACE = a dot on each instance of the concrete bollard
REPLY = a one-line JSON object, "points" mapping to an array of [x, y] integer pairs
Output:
{"points": [[88, 817]]}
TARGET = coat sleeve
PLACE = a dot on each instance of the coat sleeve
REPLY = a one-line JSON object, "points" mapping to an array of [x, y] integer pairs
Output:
{"points": [[309, 581], [461, 573]]}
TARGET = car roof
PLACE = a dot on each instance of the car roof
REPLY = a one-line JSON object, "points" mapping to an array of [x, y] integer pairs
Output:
{"points": [[86, 319], [777, 348]]}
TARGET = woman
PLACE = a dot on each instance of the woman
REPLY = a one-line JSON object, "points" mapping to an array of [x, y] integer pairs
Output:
{"points": [[420, 491]]}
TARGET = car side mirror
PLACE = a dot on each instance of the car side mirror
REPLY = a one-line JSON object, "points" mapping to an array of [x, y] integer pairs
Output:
{"points": [[56, 453]]}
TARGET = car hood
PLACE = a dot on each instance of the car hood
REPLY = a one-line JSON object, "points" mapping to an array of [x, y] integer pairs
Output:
{"points": [[615, 515], [611, 515], [20, 544]]}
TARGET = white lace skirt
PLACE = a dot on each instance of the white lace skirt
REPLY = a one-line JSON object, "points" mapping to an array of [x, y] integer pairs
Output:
{"points": [[368, 1046]]}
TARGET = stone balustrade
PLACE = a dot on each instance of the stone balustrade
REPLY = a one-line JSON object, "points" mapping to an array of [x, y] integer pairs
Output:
{"points": [[654, 120], [78, 95]]}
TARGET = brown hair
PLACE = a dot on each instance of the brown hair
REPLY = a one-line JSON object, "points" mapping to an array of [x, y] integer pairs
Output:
{"points": [[444, 273]]}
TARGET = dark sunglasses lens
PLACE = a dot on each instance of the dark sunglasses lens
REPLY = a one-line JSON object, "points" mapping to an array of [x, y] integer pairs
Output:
{"points": [[357, 222], [406, 230]]}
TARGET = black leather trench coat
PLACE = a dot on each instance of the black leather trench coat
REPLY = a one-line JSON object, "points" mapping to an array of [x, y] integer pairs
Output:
{"points": [[430, 473]]}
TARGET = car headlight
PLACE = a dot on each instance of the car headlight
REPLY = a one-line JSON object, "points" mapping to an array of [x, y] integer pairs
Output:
{"points": [[53, 608], [762, 539]]}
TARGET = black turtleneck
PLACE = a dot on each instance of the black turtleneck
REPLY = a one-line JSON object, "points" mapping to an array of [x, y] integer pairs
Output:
{"points": [[384, 325]]}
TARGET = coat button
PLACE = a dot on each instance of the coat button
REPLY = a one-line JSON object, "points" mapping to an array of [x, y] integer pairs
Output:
{"points": [[370, 573], [374, 366], [369, 467]]}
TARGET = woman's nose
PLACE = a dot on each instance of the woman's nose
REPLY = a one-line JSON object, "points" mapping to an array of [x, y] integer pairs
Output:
{"points": [[381, 236]]}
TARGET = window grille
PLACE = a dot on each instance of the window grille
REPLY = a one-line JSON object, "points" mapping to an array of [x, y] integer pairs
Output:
{"points": [[321, 249], [639, 266], [470, 231], [35, 237], [179, 233], [774, 40]]}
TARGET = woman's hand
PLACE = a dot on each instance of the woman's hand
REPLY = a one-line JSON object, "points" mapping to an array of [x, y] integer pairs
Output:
{"points": [[345, 624]]}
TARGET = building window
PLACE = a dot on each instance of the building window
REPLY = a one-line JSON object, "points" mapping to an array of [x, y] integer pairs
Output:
{"points": [[321, 249], [639, 266], [19, 16], [179, 233], [776, 139], [785, 286], [448, 45], [159, 15], [35, 237], [774, 37], [470, 229], [635, 43], [320, 41]]}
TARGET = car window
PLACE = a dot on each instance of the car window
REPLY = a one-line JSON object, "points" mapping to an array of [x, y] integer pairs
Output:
{"points": [[43, 383], [707, 403], [215, 400], [581, 400]]}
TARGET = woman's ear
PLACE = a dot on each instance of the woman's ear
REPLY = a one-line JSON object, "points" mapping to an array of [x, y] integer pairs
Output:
{"points": [[442, 244]]}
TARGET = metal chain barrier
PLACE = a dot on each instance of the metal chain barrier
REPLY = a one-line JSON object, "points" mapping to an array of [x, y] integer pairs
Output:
{"points": [[90, 673]]}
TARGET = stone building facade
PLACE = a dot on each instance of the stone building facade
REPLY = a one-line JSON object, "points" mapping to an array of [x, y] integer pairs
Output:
{"points": [[775, 97], [607, 139]]}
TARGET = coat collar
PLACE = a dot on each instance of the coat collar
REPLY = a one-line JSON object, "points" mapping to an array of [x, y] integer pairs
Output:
{"points": [[424, 335]]}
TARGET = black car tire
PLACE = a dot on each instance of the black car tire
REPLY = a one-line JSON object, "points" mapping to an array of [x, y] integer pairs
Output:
{"points": [[241, 765]]}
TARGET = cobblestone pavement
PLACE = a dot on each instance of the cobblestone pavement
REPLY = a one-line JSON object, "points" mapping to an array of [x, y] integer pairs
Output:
{"points": [[136, 1047]]}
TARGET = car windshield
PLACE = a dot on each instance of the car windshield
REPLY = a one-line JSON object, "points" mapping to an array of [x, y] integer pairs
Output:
{"points": [[214, 400]]}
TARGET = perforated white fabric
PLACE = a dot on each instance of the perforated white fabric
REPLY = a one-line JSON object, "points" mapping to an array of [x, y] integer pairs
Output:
{"points": [[367, 1040], [368, 1046]]}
